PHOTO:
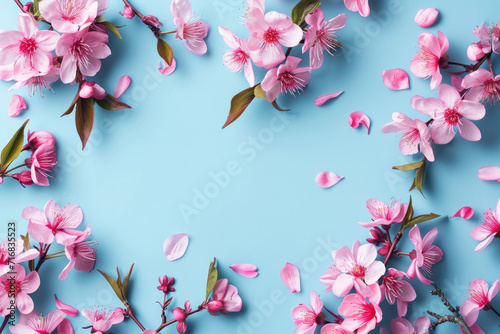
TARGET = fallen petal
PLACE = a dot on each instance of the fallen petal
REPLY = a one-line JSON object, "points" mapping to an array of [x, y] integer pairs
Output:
{"points": [[357, 118], [489, 173], [466, 212], [65, 327], [175, 246], [291, 277], [426, 17], [245, 269], [327, 179], [121, 86], [16, 104], [68, 310], [396, 79], [166, 70], [320, 100]]}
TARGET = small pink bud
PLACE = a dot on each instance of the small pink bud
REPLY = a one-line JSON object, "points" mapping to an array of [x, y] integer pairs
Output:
{"points": [[152, 21], [24, 177], [426, 17], [475, 52], [179, 314], [27, 6], [91, 89], [214, 306], [127, 12]]}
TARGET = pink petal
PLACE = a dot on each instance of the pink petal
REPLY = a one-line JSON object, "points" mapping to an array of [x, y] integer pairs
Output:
{"points": [[68, 310], [426, 17], [121, 86], [320, 100], [489, 173], [396, 79], [166, 70], [244, 269], [327, 179], [175, 246], [291, 277], [357, 118], [65, 327], [16, 104], [466, 212]]}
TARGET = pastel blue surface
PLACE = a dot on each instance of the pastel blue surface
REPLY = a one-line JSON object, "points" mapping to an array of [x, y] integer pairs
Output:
{"points": [[140, 178]]}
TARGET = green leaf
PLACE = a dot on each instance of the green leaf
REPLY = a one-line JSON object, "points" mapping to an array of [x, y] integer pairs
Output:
{"points": [[111, 103], [119, 280], [165, 51], [13, 148], [212, 278], [112, 28], [421, 219], [84, 119], [420, 177], [412, 166], [303, 8], [277, 107], [35, 10], [126, 280], [239, 103], [114, 285], [259, 92]]}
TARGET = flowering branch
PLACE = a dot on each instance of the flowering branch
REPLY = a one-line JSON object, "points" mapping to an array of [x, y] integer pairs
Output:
{"points": [[168, 323], [455, 318], [129, 312]]}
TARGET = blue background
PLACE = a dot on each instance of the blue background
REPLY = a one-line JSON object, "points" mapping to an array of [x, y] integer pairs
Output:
{"points": [[144, 166]]}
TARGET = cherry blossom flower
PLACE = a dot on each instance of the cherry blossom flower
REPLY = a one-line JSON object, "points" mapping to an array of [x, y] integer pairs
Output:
{"points": [[102, 319], [425, 255], [361, 316], [334, 329], [480, 298], [426, 17], [191, 31], [53, 222], [166, 284], [487, 230], [330, 276], [307, 318], [415, 134], [80, 255], [358, 268], [19, 254], [180, 316], [321, 36], [224, 298], [238, 56], [28, 50], [39, 82], [286, 78], [34, 323], [396, 289], [484, 34], [383, 214], [267, 32], [426, 62], [68, 16], [483, 86], [403, 326], [360, 6], [449, 111], [38, 138], [19, 288], [41, 163]]}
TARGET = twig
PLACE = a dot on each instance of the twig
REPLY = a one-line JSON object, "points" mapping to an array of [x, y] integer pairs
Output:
{"points": [[130, 313], [163, 325], [455, 318], [4, 323]]}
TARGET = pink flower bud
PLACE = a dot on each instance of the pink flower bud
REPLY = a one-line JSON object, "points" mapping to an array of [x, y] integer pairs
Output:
{"points": [[91, 89], [214, 306], [127, 12], [16, 104], [39, 138], [475, 52], [152, 21], [426, 17], [24, 177], [1, 180], [179, 314], [27, 6]]}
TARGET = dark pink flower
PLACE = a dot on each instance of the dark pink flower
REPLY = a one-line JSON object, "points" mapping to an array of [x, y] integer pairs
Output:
{"points": [[127, 12], [19, 288], [180, 315], [361, 316], [426, 62], [286, 78], [23, 177], [224, 298], [190, 30], [39, 138], [383, 214], [425, 255], [396, 289], [166, 284], [41, 162]]}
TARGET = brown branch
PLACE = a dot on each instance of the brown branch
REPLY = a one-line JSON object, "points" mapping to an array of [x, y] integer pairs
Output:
{"points": [[454, 318]]}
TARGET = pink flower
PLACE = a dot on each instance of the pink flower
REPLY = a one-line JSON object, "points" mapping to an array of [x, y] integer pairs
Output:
{"points": [[378, 237], [395, 289], [102, 320], [424, 256], [448, 112], [224, 298], [82, 51], [484, 34], [41, 163], [307, 318], [383, 214], [483, 86], [53, 222], [39, 138], [34, 323], [426, 62], [81, 257], [488, 230], [166, 284], [68, 16], [190, 30], [358, 269], [180, 316], [24, 178], [426, 17], [414, 134], [19, 288], [286, 78], [403, 326], [39, 82], [28, 50], [16, 104], [238, 56], [267, 32], [321, 36], [91, 89], [128, 13], [334, 329], [480, 298], [360, 6], [359, 314], [19, 254]]}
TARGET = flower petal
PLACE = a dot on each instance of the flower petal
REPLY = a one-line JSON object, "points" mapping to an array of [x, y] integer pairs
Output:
{"points": [[396, 79], [166, 70], [67, 309], [357, 118], [320, 100], [245, 269], [16, 104], [121, 86], [291, 277], [327, 179], [466, 212], [175, 246], [489, 173], [426, 17]]}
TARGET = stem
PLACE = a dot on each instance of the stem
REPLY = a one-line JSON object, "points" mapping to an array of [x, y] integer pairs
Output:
{"points": [[455, 318], [491, 308], [20, 5], [288, 52], [43, 257], [393, 246], [491, 66], [168, 32], [10, 170], [130, 313], [127, 3], [459, 64], [168, 323], [4, 323]]}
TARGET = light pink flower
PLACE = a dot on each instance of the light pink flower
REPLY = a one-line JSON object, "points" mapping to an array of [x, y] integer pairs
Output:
{"points": [[495, 38], [415, 134], [19, 254], [28, 50], [327, 179], [91, 89], [80, 255], [449, 111], [426, 17], [360, 6], [396, 79], [307, 318], [403, 326], [286, 78], [359, 314], [484, 34], [290, 275], [321, 36], [358, 268], [488, 230], [68, 16], [82, 50], [383, 214], [180, 316], [121, 86], [175, 246], [424, 256], [238, 56], [466, 212], [41, 163], [166, 284], [16, 104], [34, 323], [102, 319], [128, 13], [334, 329], [53, 222], [38, 138], [20, 287], [396, 289], [322, 99], [267, 33], [489, 173], [426, 62], [190, 30], [224, 298], [483, 86], [245, 269], [357, 118], [480, 298], [167, 69]]}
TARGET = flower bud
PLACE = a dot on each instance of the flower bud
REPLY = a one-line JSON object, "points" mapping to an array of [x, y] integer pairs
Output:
{"points": [[214, 306], [27, 6], [127, 12], [179, 314], [475, 52], [24, 178], [152, 21], [91, 89]]}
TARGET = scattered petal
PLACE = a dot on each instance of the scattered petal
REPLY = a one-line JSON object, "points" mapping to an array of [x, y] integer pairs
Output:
{"points": [[16, 104], [357, 118], [466, 212], [175, 246], [245, 269], [489, 173], [121, 86], [166, 70], [327, 179], [320, 100], [396, 79], [291, 277], [68, 310], [426, 17]]}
